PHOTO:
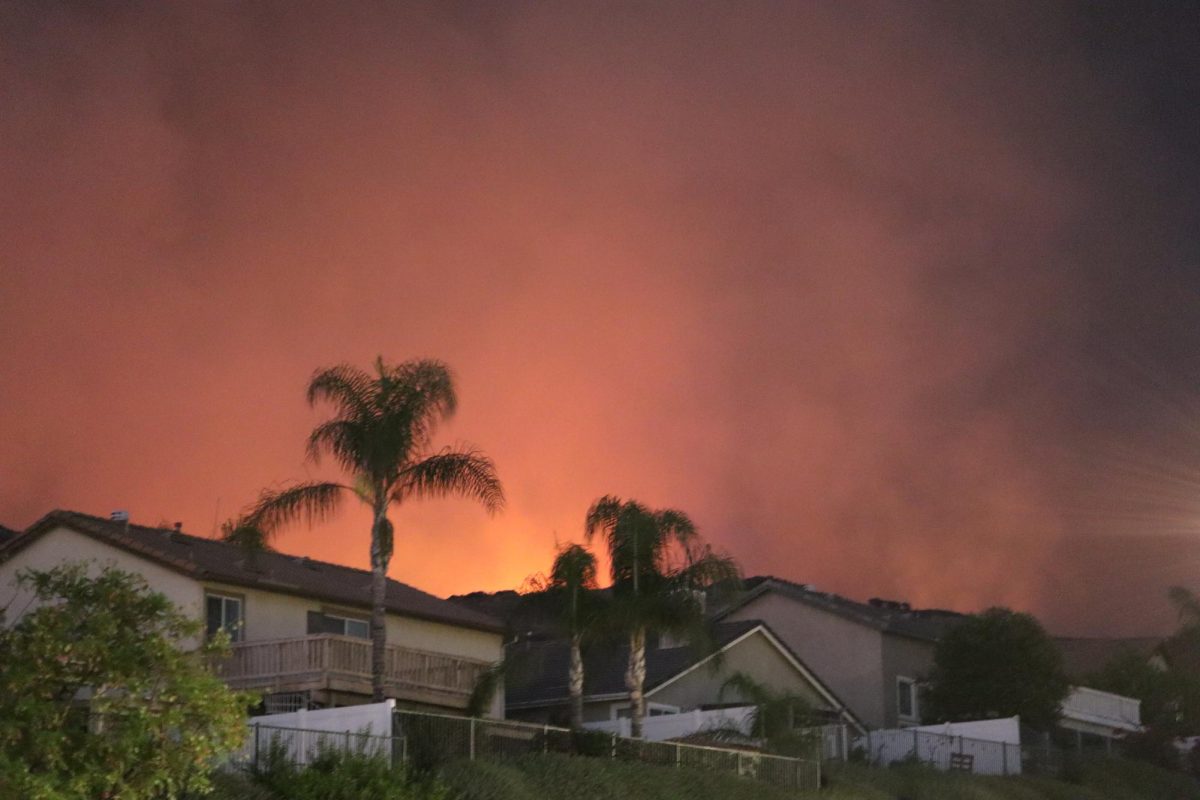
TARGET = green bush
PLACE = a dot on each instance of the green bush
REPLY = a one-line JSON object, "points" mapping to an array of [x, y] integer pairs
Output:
{"points": [[334, 774]]}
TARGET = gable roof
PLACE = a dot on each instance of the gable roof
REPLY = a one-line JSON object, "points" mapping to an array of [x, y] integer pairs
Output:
{"points": [[1084, 656], [221, 562], [539, 675], [890, 617], [7, 535]]}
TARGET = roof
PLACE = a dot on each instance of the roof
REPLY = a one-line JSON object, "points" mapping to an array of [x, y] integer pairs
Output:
{"points": [[1086, 656], [7, 535], [221, 562], [538, 676], [887, 616]]}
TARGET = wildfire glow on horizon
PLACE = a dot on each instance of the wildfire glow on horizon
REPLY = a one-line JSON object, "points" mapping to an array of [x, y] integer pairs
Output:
{"points": [[898, 300]]}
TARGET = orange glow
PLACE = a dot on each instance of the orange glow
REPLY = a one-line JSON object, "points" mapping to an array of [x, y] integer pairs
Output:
{"points": [[785, 269]]}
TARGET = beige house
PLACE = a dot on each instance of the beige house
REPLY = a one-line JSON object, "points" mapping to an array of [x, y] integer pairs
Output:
{"points": [[299, 626], [678, 679]]}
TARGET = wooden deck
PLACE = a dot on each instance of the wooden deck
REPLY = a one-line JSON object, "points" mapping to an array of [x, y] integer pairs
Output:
{"points": [[328, 662]]}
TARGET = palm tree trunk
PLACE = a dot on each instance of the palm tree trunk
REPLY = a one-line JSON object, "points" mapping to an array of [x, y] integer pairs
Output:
{"points": [[379, 559], [635, 680], [575, 681]]}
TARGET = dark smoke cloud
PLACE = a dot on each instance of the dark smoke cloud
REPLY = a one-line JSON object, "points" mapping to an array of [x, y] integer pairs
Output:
{"points": [[859, 286]]}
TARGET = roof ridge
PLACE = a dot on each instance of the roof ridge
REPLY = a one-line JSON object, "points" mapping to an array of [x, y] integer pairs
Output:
{"points": [[150, 529]]}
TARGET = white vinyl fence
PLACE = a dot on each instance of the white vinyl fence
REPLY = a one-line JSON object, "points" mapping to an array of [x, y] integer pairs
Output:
{"points": [[674, 726], [300, 735], [425, 741]]}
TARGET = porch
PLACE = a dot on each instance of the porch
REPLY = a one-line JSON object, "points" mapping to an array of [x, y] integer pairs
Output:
{"points": [[335, 664]]}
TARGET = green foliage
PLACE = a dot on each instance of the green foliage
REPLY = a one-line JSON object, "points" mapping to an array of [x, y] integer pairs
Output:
{"points": [[335, 774], [997, 664], [779, 717], [1170, 697], [559, 777], [98, 698]]}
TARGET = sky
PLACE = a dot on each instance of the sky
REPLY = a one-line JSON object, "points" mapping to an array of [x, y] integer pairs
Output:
{"points": [[897, 299]]}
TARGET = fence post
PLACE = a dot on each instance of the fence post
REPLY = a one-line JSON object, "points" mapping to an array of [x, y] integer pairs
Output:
{"points": [[1005, 751], [545, 739], [614, 747], [678, 754], [916, 745], [472, 738], [739, 766], [256, 732]]}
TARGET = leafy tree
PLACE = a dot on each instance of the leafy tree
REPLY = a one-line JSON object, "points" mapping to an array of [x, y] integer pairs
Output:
{"points": [[780, 718], [660, 571], [997, 664], [380, 435], [571, 588], [99, 698]]}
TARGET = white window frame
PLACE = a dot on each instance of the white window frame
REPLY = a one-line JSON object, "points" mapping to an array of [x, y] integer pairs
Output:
{"points": [[915, 716], [237, 633]]}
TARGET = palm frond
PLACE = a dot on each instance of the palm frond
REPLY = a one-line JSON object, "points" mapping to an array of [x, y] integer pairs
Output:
{"points": [[251, 538], [1187, 605], [465, 472], [345, 439], [309, 502], [414, 398], [347, 387]]}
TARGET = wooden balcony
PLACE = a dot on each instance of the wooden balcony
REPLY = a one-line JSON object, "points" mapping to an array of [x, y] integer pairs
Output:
{"points": [[328, 662]]}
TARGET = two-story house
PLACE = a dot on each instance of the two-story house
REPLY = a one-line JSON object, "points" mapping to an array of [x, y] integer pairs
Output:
{"points": [[872, 655], [299, 626]]}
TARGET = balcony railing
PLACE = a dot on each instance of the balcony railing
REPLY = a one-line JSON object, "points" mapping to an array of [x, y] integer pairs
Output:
{"points": [[1102, 708], [330, 661]]}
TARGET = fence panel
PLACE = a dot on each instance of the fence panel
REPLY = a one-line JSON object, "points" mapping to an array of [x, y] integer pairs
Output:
{"points": [[426, 741]]}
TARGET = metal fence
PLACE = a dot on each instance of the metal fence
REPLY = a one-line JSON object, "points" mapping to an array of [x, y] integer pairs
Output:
{"points": [[426, 741]]}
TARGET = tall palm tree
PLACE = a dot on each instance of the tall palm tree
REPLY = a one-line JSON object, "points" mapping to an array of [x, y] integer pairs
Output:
{"points": [[571, 589], [660, 571], [380, 435]]}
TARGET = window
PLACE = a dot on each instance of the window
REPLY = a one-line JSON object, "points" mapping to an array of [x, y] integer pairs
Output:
{"points": [[906, 698], [223, 613], [336, 623]]}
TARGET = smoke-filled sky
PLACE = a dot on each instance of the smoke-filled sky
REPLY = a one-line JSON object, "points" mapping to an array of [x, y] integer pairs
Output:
{"points": [[899, 299]]}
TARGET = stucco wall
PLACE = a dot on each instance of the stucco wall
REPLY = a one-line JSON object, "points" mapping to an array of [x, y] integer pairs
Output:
{"points": [[267, 615], [845, 655], [903, 657], [756, 657], [63, 545]]}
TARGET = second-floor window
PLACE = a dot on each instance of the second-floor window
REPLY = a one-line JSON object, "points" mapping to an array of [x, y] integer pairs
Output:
{"points": [[336, 623], [223, 613], [906, 698]]}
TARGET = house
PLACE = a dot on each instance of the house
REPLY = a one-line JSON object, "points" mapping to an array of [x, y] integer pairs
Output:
{"points": [[872, 655], [678, 677], [299, 626]]}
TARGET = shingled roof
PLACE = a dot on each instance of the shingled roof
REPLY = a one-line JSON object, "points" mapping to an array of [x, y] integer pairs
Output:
{"points": [[538, 668], [217, 561], [890, 617], [7, 535]]}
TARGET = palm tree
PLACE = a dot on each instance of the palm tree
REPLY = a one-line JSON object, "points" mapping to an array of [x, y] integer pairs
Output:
{"points": [[571, 589], [380, 435], [660, 571]]}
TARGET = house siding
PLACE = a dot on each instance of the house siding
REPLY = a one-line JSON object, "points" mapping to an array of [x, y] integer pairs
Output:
{"points": [[754, 656], [63, 545], [903, 657], [846, 655]]}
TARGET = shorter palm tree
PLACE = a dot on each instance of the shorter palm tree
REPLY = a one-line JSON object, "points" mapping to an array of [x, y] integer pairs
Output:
{"points": [[783, 720], [660, 572], [571, 588]]}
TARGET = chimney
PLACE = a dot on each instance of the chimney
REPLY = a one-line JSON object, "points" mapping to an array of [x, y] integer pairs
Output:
{"points": [[179, 527], [119, 516]]}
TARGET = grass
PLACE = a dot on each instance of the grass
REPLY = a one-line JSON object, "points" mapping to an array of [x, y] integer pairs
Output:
{"points": [[556, 777], [561, 777]]}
